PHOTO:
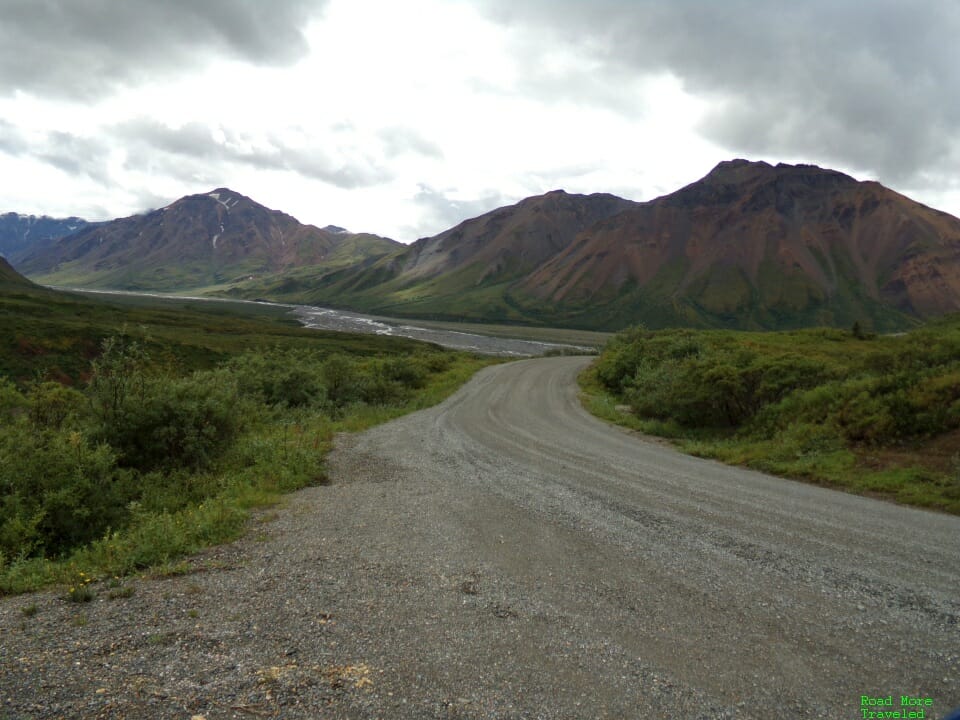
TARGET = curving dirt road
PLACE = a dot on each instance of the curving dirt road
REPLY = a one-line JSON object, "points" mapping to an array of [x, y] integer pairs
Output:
{"points": [[652, 584], [507, 555]]}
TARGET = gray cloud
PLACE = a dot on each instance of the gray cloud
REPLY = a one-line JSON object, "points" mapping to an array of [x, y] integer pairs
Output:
{"points": [[874, 86], [84, 48], [192, 152], [146, 200], [12, 141], [73, 154], [76, 155], [401, 140], [439, 212]]}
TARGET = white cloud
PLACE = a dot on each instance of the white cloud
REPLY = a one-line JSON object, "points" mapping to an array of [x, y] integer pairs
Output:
{"points": [[393, 117]]}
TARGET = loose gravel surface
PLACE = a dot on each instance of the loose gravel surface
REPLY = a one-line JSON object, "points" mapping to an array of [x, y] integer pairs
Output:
{"points": [[506, 555]]}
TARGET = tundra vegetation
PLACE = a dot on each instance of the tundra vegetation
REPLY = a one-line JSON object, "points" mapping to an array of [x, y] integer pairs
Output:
{"points": [[877, 415], [123, 449]]}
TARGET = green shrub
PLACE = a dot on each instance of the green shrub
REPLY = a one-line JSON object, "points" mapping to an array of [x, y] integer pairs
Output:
{"points": [[175, 422], [404, 370], [704, 384], [57, 490], [279, 379], [13, 404], [341, 379], [146, 465], [808, 403], [652, 390], [621, 357], [436, 362], [118, 380], [51, 404], [375, 388]]}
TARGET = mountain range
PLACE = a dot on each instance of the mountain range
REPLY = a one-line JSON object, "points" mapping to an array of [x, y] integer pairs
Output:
{"points": [[750, 245], [200, 241], [19, 233]]}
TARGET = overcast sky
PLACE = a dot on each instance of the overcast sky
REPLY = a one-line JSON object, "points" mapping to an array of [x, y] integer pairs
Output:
{"points": [[403, 118]]}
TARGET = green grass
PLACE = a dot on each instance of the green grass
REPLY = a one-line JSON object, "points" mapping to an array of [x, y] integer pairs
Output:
{"points": [[55, 335], [874, 415], [274, 458], [280, 446]]}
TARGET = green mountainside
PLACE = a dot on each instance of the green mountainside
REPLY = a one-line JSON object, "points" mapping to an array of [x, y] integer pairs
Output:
{"points": [[749, 246], [10, 278]]}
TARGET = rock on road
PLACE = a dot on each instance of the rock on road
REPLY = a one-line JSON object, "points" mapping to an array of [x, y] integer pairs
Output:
{"points": [[507, 555]]}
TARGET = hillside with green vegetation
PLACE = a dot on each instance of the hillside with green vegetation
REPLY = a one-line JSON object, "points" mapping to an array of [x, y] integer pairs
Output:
{"points": [[135, 430], [750, 246], [10, 278], [875, 415]]}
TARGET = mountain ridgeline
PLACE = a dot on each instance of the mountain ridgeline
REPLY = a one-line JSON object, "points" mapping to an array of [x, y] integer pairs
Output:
{"points": [[750, 246], [755, 246], [199, 241], [21, 234]]}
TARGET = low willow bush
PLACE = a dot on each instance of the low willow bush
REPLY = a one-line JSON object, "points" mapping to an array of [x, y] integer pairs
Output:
{"points": [[146, 464], [802, 403]]}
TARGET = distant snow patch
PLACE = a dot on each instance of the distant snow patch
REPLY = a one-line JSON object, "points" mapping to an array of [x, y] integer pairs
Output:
{"points": [[225, 203], [217, 235]]}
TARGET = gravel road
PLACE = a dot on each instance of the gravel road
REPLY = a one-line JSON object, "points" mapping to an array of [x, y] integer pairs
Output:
{"points": [[506, 555]]}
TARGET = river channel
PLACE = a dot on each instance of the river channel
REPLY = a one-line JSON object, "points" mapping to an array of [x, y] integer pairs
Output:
{"points": [[321, 318]]}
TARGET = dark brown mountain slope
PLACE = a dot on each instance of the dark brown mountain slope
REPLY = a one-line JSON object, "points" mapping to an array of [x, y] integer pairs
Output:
{"points": [[197, 241], [511, 241], [752, 245], [462, 272]]}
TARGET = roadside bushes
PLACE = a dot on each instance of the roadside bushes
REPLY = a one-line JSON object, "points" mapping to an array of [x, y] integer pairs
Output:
{"points": [[142, 444], [57, 490], [175, 422], [332, 382], [287, 379], [372, 381], [341, 379], [874, 414], [701, 382], [624, 354], [876, 392]]}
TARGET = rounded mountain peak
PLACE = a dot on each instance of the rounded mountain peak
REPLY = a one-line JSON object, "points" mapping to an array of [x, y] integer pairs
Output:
{"points": [[224, 194], [739, 171]]}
